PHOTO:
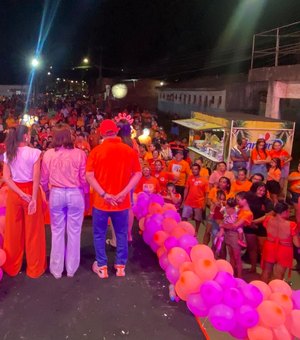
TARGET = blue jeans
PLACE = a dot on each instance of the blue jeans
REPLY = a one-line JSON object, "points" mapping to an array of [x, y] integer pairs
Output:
{"points": [[120, 223]]}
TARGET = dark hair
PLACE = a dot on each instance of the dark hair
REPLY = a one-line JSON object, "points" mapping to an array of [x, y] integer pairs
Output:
{"points": [[277, 141], [280, 207], [220, 193], [258, 174], [242, 195], [62, 137], [170, 184], [244, 170], [228, 182], [264, 148], [14, 137], [196, 165], [231, 202], [256, 186], [143, 146], [277, 161], [125, 132], [221, 163]]}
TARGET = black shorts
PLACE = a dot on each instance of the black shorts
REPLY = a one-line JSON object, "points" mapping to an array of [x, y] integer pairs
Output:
{"points": [[273, 187]]}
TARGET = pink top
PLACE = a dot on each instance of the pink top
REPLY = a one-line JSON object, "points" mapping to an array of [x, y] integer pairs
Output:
{"points": [[64, 168], [22, 166]]}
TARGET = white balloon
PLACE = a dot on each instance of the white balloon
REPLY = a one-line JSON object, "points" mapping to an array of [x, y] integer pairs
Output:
{"points": [[119, 91]]}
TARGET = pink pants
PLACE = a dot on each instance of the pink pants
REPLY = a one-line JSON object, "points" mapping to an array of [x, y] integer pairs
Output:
{"points": [[66, 215]]}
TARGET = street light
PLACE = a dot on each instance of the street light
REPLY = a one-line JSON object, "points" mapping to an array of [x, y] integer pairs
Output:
{"points": [[85, 60], [35, 63]]}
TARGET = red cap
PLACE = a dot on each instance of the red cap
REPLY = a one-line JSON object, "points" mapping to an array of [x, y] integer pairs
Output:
{"points": [[108, 127]]}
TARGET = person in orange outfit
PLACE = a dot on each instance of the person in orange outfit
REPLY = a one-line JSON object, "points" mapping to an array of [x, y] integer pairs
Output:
{"points": [[294, 180], [241, 183], [195, 196], [260, 158], [179, 166], [24, 229], [148, 183], [163, 177], [112, 170], [273, 179]]}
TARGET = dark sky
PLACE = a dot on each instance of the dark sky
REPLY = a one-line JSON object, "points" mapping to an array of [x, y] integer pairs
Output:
{"points": [[150, 38]]}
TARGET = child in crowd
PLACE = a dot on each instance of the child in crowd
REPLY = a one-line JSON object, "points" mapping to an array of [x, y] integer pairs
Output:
{"points": [[171, 196], [273, 179], [230, 215]]}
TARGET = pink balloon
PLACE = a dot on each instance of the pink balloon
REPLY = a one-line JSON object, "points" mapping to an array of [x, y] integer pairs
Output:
{"points": [[271, 314], [188, 227], [172, 214], [283, 300], [197, 306], [233, 297], [155, 198], [239, 332], [172, 274], [2, 257], [163, 261], [211, 293], [224, 266], [186, 242], [260, 333], [222, 317], [225, 280], [280, 286], [168, 224], [253, 295], [154, 246], [295, 323], [171, 242], [159, 237], [1, 274], [190, 282], [281, 333], [247, 316], [263, 287], [296, 298], [206, 269]]}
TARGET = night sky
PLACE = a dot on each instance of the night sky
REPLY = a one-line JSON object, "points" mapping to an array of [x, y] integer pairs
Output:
{"points": [[144, 38]]}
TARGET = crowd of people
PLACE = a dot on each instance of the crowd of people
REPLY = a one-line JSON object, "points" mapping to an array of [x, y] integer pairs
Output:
{"points": [[75, 148]]}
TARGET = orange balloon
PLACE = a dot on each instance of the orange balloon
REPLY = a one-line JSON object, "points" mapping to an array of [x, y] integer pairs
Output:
{"points": [[186, 266], [155, 208], [188, 227], [178, 232], [224, 266], [201, 251], [271, 314], [190, 282], [159, 237], [280, 286], [160, 251], [169, 224], [180, 291], [282, 333], [206, 269], [169, 206], [283, 301], [2, 257], [263, 287], [260, 333], [177, 256], [2, 225], [141, 223], [295, 323]]}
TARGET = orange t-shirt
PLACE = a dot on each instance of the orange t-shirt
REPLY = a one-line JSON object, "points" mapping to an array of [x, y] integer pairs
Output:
{"points": [[295, 184], [246, 216], [164, 178], [197, 190], [279, 154], [182, 167], [259, 155], [238, 186], [204, 173], [275, 173], [212, 195], [148, 185], [113, 164]]}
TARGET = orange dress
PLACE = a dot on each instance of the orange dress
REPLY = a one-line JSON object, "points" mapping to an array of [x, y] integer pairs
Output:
{"points": [[276, 249]]}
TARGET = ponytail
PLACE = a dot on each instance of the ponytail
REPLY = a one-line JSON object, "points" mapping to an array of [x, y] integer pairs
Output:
{"points": [[14, 137]]}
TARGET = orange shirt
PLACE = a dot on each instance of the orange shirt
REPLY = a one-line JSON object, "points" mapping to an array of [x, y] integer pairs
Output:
{"points": [[197, 190], [238, 186], [275, 173], [149, 185], [204, 173], [212, 195], [246, 216], [113, 164], [152, 161], [295, 184], [281, 154], [259, 155], [182, 167], [163, 178]]}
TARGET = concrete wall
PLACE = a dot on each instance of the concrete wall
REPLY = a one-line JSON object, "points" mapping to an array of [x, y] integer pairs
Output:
{"points": [[279, 73]]}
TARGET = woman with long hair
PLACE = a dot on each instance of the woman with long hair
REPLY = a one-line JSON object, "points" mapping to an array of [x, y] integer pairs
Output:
{"points": [[25, 229], [63, 175], [260, 158], [277, 252]]}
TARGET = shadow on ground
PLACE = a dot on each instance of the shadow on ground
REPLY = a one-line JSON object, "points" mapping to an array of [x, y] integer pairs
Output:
{"points": [[85, 307]]}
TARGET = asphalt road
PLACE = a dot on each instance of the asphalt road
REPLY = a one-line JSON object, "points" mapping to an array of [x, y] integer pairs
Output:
{"points": [[86, 307]]}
